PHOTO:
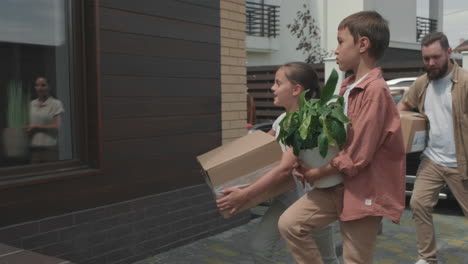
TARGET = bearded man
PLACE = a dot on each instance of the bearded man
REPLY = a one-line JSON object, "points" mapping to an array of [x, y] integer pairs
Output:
{"points": [[442, 95]]}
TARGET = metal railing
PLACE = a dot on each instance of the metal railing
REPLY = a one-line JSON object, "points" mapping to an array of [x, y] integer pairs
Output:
{"points": [[425, 26], [262, 20]]}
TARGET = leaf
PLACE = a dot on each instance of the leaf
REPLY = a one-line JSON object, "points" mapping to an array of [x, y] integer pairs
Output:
{"points": [[294, 123], [303, 100], [311, 140], [297, 144], [329, 88], [324, 111], [304, 128], [323, 144], [328, 132], [339, 99], [314, 101], [338, 114], [339, 132]]}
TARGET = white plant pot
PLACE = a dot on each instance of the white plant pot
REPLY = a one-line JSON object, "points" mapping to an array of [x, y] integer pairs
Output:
{"points": [[15, 140], [313, 158]]}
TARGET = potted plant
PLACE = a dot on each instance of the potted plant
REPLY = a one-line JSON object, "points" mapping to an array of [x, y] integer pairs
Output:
{"points": [[15, 137], [317, 130]]}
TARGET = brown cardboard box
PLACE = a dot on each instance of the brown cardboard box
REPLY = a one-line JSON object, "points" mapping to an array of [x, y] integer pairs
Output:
{"points": [[413, 126], [242, 162]]}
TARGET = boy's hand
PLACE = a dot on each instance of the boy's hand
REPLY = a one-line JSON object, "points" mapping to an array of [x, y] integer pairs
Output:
{"points": [[233, 199], [305, 173]]}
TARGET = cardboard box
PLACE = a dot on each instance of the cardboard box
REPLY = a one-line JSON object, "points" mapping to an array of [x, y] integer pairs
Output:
{"points": [[242, 162], [413, 126]]}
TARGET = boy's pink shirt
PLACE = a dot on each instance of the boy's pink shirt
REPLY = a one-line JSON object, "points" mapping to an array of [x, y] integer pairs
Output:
{"points": [[373, 161]]}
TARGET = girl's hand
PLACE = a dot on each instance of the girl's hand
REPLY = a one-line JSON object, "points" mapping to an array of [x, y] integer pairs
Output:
{"points": [[300, 177], [305, 173], [233, 200]]}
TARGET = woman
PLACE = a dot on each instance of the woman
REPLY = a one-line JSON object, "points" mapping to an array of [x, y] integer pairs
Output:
{"points": [[291, 80], [44, 123]]}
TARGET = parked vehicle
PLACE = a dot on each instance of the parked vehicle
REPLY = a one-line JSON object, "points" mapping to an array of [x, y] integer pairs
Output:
{"points": [[399, 87]]}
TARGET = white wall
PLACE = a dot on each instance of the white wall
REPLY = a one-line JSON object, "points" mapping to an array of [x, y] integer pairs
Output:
{"points": [[401, 15], [335, 11]]}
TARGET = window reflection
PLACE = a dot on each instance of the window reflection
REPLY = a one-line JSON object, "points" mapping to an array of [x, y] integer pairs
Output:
{"points": [[35, 90]]}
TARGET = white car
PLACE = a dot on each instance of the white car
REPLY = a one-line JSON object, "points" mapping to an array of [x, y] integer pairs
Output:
{"points": [[399, 87]]}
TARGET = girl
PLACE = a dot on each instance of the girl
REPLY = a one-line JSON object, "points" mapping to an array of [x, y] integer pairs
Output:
{"points": [[291, 80]]}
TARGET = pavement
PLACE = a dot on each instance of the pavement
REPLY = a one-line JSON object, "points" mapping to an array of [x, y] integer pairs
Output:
{"points": [[397, 243]]}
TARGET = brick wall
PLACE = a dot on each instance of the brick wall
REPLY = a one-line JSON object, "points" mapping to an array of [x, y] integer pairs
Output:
{"points": [[233, 69], [124, 232]]}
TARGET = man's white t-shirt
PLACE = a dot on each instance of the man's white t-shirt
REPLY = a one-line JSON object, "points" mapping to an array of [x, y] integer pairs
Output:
{"points": [[438, 109]]}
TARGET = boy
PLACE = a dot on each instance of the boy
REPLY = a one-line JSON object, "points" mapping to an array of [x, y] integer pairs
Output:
{"points": [[372, 162]]}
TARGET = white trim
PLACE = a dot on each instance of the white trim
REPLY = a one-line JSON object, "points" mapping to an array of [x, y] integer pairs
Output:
{"points": [[465, 59], [404, 45], [261, 44], [11, 253]]}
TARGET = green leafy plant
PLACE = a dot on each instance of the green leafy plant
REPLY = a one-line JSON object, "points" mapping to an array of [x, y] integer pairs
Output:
{"points": [[18, 105], [317, 123]]}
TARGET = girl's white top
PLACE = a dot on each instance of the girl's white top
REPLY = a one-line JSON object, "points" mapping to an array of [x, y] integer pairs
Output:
{"points": [[292, 196]]}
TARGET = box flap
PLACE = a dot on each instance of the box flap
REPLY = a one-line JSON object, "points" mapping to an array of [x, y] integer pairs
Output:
{"points": [[234, 149], [411, 115]]}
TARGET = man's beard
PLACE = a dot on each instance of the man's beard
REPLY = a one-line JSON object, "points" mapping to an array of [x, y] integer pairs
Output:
{"points": [[434, 74]]}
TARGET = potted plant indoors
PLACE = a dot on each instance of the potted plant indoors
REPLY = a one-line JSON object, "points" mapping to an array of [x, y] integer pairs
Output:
{"points": [[317, 130], [15, 137]]}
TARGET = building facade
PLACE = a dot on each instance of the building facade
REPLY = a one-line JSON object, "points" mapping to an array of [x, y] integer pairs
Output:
{"points": [[145, 87], [406, 27]]}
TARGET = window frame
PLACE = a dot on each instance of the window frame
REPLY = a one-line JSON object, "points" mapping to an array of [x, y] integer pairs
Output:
{"points": [[86, 106]]}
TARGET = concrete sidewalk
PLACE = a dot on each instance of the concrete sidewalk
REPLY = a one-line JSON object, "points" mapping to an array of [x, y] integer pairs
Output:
{"points": [[397, 245]]}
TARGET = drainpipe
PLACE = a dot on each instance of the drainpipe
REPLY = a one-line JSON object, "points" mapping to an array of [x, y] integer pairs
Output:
{"points": [[436, 11], [465, 60]]}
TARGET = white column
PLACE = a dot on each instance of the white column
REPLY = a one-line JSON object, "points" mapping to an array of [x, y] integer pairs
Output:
{"points": [[330, 64], [436, 11], [465, 60]]}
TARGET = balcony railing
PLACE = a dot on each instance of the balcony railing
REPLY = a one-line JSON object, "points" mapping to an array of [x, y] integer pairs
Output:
{"points": [[424, 26], [262, 20]]}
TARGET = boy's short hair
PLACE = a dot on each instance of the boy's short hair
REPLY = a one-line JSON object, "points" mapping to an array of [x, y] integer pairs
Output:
{"points": [[369, 24], [433, 37]]}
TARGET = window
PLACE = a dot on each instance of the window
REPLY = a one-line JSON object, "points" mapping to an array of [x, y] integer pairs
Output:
{"points": [[42, 111]]}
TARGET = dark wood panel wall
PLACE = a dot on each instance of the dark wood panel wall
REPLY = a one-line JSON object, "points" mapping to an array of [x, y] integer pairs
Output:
{"points": [[161, 103]]}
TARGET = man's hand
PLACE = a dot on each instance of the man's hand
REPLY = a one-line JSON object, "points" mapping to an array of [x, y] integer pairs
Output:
{"points": [[233, 199]]}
